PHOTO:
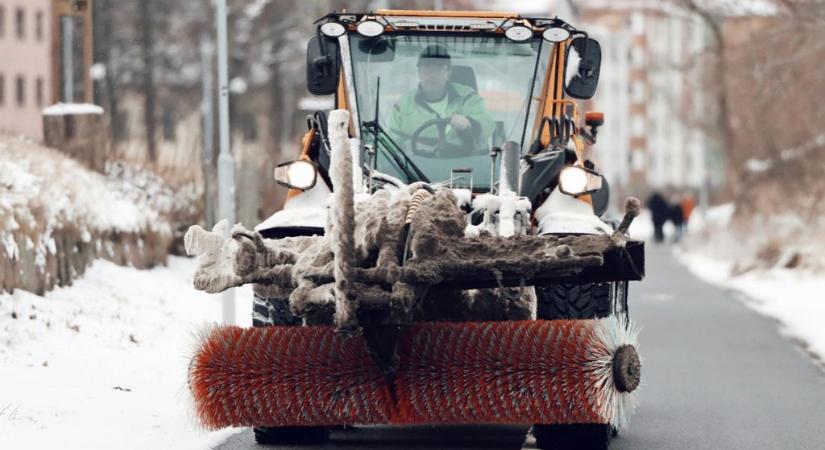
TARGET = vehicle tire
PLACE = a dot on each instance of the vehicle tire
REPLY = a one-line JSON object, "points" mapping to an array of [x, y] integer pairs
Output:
{"points": [[272, 311], [573, 436], [275, 311], [570, 301], [291, 435], [574, 301]]}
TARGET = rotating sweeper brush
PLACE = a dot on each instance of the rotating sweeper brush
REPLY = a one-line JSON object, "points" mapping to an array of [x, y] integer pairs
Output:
{"points": [[543, 372], [422, 304]]}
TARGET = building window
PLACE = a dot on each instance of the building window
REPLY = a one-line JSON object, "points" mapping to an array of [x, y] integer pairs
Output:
{"points": [[2, 20], [39, 91], [20, 21], [637, 158], [637, 92], [21, 91], [637, 126], [71, 50], [637, 23], [38, 26], [2, 89], [637, 56]]}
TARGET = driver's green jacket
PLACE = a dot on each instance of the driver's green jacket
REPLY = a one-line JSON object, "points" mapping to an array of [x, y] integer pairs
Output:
{"points": [[412, 111]]}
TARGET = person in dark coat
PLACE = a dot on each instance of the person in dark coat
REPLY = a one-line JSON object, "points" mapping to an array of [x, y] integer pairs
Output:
{"points": [[677, 216], [660, 212]]}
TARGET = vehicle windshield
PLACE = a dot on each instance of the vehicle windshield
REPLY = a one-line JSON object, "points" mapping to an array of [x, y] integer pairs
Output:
{"points": [[444, 101]]}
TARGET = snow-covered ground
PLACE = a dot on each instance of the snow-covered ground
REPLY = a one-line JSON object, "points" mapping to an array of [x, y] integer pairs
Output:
{"points": [[102, 364]]}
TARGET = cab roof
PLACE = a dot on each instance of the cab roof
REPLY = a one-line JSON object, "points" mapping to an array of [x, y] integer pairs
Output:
{"points": [[396, 20]]}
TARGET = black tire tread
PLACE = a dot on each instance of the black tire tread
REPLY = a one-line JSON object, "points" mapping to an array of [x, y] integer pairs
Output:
{"points": [[272, 311], [573, 301]]}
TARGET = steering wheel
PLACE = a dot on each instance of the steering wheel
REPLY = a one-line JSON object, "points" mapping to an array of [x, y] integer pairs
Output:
{"points": [[439, 147]]}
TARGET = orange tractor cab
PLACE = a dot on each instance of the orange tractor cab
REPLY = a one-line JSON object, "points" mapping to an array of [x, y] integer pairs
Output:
{"points": [[442, 257]]}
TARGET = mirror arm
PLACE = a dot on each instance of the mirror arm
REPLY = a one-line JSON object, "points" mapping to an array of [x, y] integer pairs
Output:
{"points": [[590, 137], [322, 63], [321, 43]]}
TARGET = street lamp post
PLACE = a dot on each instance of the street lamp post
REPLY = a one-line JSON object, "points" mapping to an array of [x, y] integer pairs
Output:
{"points": [[207, 111], [226, 163]]}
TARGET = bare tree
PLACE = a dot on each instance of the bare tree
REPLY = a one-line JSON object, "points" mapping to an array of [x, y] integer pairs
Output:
{"points": [[770, 105], [714, 75], [147, 49]]}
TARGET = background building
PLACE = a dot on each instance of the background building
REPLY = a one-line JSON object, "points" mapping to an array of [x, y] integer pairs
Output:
{"points": [[648, 93], [46, 47]]}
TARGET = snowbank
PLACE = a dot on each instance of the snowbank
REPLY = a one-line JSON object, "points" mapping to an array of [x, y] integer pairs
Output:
{"points": [[777, 264], [761, 242], [103, 364], [56, 216]]}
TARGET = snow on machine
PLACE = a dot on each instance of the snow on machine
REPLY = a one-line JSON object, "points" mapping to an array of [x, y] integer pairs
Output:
{"points": [[441, 258]]}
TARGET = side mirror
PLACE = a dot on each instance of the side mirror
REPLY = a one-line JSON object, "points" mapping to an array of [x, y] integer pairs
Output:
{"points": [[583, 61], [300, 174], [323, 65]]}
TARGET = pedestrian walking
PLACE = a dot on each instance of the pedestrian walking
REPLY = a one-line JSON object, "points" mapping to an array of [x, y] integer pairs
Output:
{"points": [[659, 212], [677, 216], [687, 209]]}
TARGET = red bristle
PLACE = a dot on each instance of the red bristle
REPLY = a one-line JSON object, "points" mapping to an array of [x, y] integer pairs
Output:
{"points": [[282, 376], [496, 372], [449, 373]]}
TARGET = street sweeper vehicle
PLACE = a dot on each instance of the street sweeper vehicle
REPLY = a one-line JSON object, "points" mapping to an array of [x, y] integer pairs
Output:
{"points": [[442, 257]]}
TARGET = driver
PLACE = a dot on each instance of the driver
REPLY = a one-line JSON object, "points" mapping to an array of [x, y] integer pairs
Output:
{"points": [[436, 97]]}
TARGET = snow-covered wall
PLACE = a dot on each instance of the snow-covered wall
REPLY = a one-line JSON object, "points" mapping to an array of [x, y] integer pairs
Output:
{"points": [[56, 216]]}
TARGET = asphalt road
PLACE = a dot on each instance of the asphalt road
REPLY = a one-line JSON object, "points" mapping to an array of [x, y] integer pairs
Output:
{"points": [[715, 376]]}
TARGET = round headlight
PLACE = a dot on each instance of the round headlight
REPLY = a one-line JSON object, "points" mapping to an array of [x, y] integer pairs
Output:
{"points": [[518, 33], [573, 180], [370, 28], [296, 174], [333, 29], [555, 34], [301, 174]]}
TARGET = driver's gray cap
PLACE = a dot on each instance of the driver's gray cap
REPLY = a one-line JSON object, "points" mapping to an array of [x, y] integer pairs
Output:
{"points": [[434, 54]]}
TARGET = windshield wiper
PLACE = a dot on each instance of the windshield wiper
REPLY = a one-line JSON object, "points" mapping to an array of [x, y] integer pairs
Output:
{"points": [[393, 150]]}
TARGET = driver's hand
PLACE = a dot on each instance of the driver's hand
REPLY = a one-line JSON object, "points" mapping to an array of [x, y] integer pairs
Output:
{"points": [[460, 122]]}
